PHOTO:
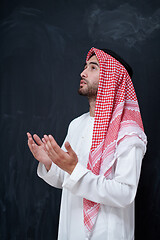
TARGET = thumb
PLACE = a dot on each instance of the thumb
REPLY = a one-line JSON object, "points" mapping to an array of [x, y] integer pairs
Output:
{"points": [[69, 149]]}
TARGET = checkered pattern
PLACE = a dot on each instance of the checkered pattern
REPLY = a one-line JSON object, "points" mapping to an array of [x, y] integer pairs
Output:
{"points": [[117, 116]]}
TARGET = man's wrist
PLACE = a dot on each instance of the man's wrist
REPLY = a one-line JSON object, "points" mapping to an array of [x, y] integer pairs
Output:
{"points": [[48, 166], [72, 168]]}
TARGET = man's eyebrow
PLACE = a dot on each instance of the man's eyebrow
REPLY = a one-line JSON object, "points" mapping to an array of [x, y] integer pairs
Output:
{"points": [[95, 63]]}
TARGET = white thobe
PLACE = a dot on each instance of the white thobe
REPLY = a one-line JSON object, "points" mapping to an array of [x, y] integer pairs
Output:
{"points": [[115, 219]]}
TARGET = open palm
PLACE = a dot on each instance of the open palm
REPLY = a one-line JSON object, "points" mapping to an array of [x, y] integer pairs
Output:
{"points": [[37, 147]]}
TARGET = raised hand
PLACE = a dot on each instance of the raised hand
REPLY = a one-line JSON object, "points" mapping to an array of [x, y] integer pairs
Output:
{"points": [[37, 147], [65, 160]]}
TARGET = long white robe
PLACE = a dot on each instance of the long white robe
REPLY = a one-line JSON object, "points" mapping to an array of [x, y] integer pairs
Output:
{"points": [[116, 215]]}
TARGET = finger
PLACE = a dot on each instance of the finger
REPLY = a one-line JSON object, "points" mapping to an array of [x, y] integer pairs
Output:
{"points": [[49, 147], [31, 142], [46, 138], [30, 139], [50, 151], [44, 141], [29, 135], [54, 145], [32, 147], [44, 144], [37, 139], [69, 149]]}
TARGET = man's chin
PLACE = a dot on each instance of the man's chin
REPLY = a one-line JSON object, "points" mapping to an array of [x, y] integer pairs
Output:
{"points": [[81, 92]]}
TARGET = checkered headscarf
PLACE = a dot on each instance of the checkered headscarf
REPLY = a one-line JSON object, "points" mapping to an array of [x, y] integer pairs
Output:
{"points": [[117, 117]]}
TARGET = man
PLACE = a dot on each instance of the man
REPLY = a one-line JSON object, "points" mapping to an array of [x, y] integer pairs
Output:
{"points": [[98, 166]]}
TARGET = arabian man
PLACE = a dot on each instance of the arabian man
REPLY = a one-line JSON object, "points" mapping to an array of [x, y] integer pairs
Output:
{"points": [[99, 164]]}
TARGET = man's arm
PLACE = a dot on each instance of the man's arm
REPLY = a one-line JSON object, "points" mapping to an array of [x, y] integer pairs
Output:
{"points": [[117, 192]]}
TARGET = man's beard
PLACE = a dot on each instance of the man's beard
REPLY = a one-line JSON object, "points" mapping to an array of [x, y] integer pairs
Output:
{"points": [[90, 91]]}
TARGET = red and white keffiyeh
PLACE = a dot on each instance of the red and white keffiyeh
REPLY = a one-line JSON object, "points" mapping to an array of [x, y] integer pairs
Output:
{"points": [[117, 117]]}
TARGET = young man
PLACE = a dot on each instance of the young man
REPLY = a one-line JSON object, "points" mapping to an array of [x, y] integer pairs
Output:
{"points": [[98, 166]]}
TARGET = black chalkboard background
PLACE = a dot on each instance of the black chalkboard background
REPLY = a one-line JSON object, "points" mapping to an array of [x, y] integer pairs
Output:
{"points": [[43, 45]]}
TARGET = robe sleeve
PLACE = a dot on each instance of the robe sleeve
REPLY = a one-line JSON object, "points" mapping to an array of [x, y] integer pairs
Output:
{"points": [[54, 177], [117, 192]]}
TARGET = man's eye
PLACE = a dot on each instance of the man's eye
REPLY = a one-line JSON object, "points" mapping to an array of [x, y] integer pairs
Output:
{"points": [[93, 67]]}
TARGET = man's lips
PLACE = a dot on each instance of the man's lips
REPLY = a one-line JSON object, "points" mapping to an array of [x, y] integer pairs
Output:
{"points": [[82, 82]]}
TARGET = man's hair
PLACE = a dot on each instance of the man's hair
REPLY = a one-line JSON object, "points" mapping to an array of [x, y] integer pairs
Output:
{"points": [[118, 58]]}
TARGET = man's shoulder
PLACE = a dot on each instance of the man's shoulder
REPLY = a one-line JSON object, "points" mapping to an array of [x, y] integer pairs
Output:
{"points": [[75, 122]]}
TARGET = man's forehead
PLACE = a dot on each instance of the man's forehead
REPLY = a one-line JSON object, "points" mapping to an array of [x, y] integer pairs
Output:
{"points": [[93, 58]]}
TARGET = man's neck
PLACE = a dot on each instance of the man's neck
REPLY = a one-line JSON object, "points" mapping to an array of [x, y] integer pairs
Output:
{"points": [[92, 104]]}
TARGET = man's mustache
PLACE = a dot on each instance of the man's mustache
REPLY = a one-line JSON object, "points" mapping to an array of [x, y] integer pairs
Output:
{"points": [[83, 79]]}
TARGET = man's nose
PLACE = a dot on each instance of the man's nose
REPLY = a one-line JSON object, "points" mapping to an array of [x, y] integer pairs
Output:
{"points": [[84, 73]]}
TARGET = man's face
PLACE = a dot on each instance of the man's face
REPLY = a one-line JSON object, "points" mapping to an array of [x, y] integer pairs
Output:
{"points": [[90, 78]]}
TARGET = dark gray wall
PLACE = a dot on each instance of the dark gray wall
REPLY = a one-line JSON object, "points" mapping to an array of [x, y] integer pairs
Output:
{"points": [[43, 45]]}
